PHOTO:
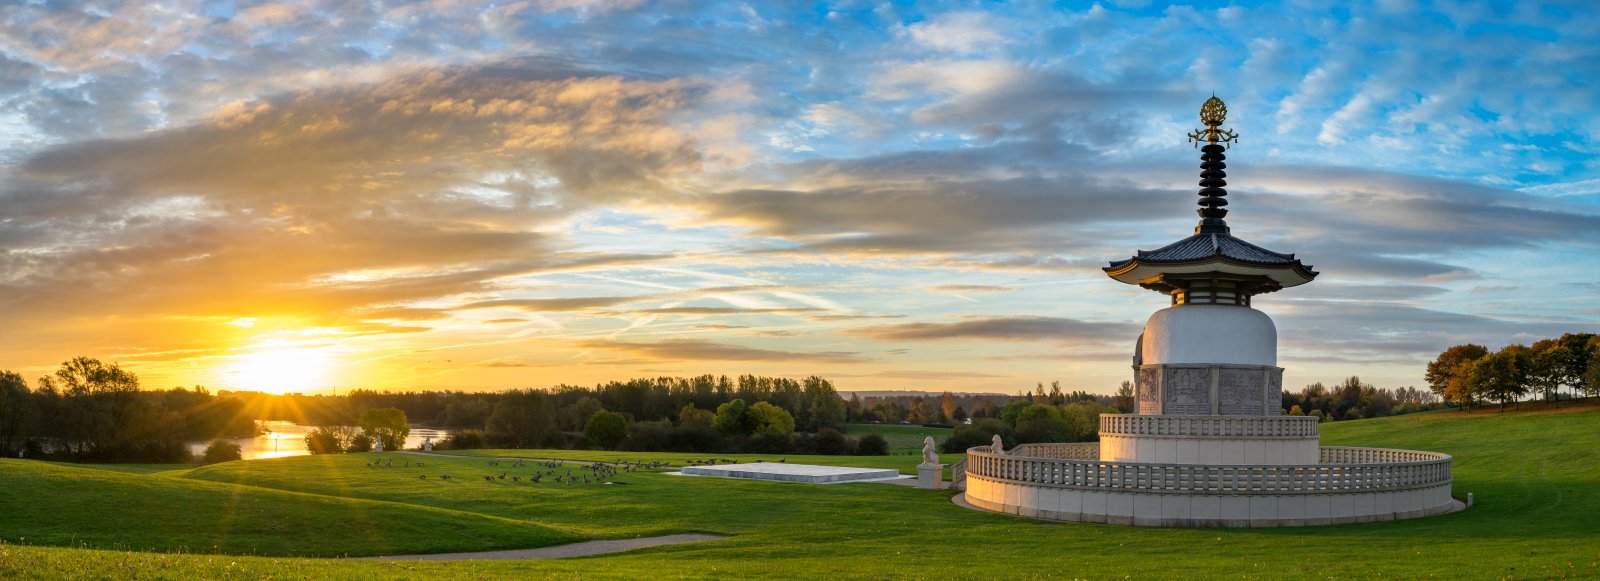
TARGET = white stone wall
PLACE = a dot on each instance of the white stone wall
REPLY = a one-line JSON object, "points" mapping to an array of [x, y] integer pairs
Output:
{"points": [[1156, 509], [1348, 484], [1208, 450], [1275, 440]]}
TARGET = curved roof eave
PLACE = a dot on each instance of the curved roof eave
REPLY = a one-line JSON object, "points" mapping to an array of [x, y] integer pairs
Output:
{"points": [[1291, 274]]}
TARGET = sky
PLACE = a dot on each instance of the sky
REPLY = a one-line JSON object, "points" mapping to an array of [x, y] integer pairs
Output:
{"points": [[315, 195]]}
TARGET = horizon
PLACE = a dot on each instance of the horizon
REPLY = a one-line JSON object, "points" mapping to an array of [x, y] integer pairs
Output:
{"points": [[338, 392], [309, 197]]}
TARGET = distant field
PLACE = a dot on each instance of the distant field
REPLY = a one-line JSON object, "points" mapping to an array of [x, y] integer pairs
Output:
{"points": [[903, 439], [897, 462], [1533, 474]]}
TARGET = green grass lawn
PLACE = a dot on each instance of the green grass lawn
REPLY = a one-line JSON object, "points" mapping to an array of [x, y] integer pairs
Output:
{"points": [[50, 504], [903, 439], [131, 468], [1534, 475]]}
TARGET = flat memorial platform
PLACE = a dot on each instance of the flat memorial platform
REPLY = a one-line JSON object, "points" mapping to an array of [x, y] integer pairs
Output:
{"points": [[794, 472]]}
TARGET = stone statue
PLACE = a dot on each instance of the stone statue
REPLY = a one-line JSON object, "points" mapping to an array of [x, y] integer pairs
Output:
{"points": [[996, 446], [427, 443], [929, 457], [377, 443]]}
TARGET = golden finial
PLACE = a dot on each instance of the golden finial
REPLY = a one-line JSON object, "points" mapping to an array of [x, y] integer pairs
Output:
{"points": [[1212, 114]]}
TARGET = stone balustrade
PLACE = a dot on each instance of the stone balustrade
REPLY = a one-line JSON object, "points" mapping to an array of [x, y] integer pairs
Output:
{"points": [[1253, 427], [1060, 451], [1342, 470]]}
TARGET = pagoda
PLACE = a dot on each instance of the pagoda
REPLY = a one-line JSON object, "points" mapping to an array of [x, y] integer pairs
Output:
{"points": [[1208, 443], [1211, 278]]}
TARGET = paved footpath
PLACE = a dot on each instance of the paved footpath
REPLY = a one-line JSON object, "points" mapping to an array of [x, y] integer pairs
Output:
{"points": [[584, 549]]}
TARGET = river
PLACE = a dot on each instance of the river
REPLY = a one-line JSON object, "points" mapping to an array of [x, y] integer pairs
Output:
{"points": [[289, 439]]}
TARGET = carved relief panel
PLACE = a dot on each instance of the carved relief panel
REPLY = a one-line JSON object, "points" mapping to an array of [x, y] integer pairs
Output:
{"points": [[1187, 391], [1273, 398], [1240, 392], [1147, 386]]}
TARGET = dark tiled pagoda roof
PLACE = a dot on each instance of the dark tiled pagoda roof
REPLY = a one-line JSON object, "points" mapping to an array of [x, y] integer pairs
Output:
{"points": [[1212, 249], [1201, 247]]}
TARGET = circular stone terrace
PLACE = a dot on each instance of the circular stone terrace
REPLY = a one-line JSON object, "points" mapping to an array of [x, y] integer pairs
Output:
{"points": [[1070, 482]]}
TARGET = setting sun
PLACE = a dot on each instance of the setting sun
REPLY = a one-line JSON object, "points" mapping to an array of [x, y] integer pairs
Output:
{"points": [[279, 370]]}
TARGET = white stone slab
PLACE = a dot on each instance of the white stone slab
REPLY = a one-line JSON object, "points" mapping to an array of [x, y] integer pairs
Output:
{"points": [[785, 472]]}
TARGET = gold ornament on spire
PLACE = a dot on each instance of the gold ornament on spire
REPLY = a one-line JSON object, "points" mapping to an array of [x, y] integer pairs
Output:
{"points": [[1212, 114]]}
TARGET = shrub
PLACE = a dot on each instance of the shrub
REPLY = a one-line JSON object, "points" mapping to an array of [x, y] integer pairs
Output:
{"points": [[387, 423], [733, 419], [1009, 413], [771, 418], [498, 439], [222, 451], [574, 441], [322, 441], [1083, 420], [1041, 423], [521, 419], [695, 439], [648, 437], [770, 443], [803, 443], [872, 445], [361, 443], [830, 442], [606, 429], [690, 416], [465, 440], [979, 433]]}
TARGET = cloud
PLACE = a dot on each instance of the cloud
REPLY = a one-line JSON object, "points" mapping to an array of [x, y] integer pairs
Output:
{"points": [[367, 169], [773, 333], [511, 364], [1321, 328], [961, 32], [922, 375], [1368, 292], [969, 288], [336, 205], [697, 350], [560, 304], [1002, 329], [722, 310], [1577, 188], [550, 305], [850, 317]]}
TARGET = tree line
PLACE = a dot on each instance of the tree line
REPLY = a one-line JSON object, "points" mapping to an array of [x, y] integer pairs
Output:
{"points": [[1030, 420], [812, 401], [1354, 399], [1465, 375], [698, 414], [90, 411], [952, 408]]}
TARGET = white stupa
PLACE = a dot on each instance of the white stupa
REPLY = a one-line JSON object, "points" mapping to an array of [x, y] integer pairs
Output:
{"points": [[1209, 444]]}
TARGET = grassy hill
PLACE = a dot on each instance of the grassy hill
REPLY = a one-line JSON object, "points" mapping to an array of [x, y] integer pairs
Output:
{"points": [[902, 439], [1533, 474], [49, 504]]}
